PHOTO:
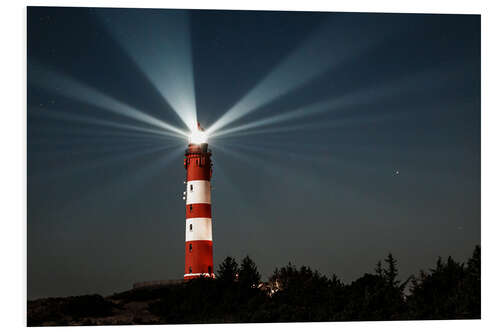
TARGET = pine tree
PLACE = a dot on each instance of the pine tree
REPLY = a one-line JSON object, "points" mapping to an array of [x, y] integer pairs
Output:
{"points": [[378, 268], [472, 284], [228, 270], [248, 275], [391, 272], [474, 263]]}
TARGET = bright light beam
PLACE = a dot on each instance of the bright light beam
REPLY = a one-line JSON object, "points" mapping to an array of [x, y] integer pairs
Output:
{"points": [[317, 55], [310, 110], [159, 41], [69, 87], [71, 117], [318, 125], [92, 143], [399, 86]]}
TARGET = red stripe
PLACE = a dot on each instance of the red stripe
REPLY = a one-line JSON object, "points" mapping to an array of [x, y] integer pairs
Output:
{"points": [[198, 210], [199, 258], [196, 172], [198, 166]]}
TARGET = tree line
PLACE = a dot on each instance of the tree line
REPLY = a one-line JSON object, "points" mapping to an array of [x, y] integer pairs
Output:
{"points": [[450, 290]]}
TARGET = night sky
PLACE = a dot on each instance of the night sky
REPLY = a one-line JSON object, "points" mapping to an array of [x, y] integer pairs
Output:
{"points": [[341, 137]]}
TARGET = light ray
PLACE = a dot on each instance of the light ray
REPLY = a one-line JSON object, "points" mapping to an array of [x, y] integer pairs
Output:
{"points": [[337, 160], [319, 54], [124, 154], [69, 87], [94, 144], [151, 169], [252, 160], [112, 188], [159, 41], [71, 117], [399, 86], [92, 139], [314, 126], [290, 115]]}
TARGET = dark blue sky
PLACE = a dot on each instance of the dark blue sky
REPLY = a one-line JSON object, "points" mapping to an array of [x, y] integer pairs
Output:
{"points": [[345, 100]]}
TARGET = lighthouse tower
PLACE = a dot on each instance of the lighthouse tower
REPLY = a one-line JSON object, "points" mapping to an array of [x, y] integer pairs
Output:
{"points": [[199, 245]]}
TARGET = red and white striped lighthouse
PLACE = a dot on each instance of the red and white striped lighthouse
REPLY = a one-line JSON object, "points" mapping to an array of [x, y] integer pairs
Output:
{"points": [[199, 244]]}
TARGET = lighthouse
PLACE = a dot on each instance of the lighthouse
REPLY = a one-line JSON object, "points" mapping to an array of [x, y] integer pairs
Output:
{"points": [[199, 244]]}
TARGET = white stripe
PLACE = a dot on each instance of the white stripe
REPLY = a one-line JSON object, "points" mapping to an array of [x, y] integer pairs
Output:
{"points": [[198, 191], [199, 228]]}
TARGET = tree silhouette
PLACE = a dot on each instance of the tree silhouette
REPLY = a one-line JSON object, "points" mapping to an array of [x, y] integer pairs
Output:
{"points": [[473, 283], [450, 290], [378, 269], [474, 263], [248, 275], [302, 295], [228, 270], [366, 299], [391, 272], [376, 297]]}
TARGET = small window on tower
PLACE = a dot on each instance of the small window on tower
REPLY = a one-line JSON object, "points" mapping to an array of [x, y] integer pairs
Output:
{"points": [[209, 270], [190, 208], [190, 228], [190, 247], [191, 187], [190, 270]]}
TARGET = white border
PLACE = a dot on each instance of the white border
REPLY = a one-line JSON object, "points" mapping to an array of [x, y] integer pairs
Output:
{"points": [[13, 241], [422, 6]]}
